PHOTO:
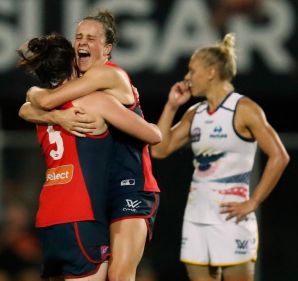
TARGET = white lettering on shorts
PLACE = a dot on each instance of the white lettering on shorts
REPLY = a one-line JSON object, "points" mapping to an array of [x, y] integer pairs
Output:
{"points": [[131, 205]]}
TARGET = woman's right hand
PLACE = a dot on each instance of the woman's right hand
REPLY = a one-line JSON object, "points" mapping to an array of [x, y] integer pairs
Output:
{"points": [[75, 121], [179, 95]]}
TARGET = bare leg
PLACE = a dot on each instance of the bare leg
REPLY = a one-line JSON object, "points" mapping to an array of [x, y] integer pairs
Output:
{"points": [[241, 272], [203, 272], [128, 238]]}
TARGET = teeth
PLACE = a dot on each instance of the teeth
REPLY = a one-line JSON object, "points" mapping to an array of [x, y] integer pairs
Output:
{"points": [[83, 53]]}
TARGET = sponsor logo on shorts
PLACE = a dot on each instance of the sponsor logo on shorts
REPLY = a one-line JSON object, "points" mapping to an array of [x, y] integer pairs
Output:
{"points": [[132, 205], [104, 249], [184, 241], [127, 182], [59, 175], [242, 246]]}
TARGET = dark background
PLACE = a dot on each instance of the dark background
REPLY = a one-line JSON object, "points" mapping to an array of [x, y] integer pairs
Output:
{"points": [[272, 85]]}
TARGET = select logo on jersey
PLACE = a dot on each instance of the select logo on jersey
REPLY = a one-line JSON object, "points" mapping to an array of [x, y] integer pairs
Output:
{"points": [[132, 205], [242, 246], [59, 175], [218, 133], [196, 135]]}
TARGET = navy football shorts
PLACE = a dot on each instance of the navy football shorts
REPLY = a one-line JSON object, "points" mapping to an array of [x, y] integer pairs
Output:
{"points": [[138, 204], [73, 250]]}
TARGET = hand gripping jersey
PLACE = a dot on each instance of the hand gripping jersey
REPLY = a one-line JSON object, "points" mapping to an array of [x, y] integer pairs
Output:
{"points": [[76, 176], [131, 164], [223, 161]]}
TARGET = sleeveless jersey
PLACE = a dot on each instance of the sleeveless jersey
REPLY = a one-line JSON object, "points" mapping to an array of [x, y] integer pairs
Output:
{"points": [[131, 162], [76, 176], [223, 161]]}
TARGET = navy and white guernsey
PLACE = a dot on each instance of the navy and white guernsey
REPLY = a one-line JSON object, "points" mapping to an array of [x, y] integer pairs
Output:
{"points": [[223, 162]]}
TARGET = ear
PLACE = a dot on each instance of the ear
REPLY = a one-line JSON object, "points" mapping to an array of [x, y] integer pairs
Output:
{"points": [[108, 49], [211, 73]]}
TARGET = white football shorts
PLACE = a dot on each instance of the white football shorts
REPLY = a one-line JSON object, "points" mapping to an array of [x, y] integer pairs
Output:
{"points": [[219, 244]]}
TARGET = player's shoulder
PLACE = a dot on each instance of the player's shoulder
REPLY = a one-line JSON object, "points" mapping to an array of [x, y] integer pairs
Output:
{"points": [[246, 104], [196, 106], [192, 110], [99, 99], [250, 112], [102, 70]]}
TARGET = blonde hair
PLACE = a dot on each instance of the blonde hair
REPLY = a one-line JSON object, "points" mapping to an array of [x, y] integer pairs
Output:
{"points": [[222, 55]]}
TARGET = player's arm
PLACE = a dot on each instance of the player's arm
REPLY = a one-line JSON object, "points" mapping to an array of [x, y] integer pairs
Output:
{"points": [[74, 120], [254, 119], [270, 143], [36, 115], [114, 113], [97, 78], [175, 136]]}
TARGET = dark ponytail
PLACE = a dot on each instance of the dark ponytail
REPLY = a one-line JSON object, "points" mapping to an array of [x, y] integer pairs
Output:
{"points": [[49, 57]]}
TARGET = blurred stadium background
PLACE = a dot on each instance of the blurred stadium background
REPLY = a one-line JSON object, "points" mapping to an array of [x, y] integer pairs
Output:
{"points": [[156, 41]]}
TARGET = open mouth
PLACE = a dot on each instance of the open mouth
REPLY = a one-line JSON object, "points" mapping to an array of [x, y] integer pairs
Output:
{"points": [[83, 54]]}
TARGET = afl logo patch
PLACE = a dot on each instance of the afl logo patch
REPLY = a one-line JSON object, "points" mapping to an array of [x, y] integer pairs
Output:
{"points": [[127, 182], [196, 134]]}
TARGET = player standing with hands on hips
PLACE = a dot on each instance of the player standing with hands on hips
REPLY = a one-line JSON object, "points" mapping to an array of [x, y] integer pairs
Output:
{"points": [[219, 239]]}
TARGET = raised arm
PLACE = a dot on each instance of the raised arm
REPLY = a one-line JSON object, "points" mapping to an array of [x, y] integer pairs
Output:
{"points": [[114, 113], [74, 120], [35, 115], [99, 77], [253, 118], [176, 136]]}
